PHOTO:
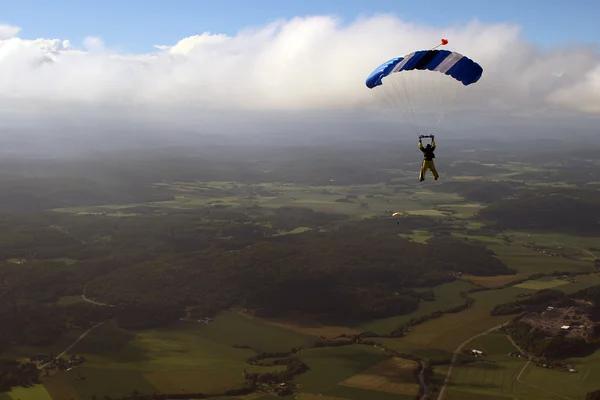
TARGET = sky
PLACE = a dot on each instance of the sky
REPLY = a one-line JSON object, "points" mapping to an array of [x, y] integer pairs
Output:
{"points": [[259, 65]]}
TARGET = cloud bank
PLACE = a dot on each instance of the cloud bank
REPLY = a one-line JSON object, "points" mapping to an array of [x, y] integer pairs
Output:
{"points": [[297, 65]]}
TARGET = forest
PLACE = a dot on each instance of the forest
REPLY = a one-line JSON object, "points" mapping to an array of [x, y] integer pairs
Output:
{"points": [[571, 211], [167, 263], [155, 269]]}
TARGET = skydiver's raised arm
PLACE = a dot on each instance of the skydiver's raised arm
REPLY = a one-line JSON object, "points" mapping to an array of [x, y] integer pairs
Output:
{"points": [[421, 146], [432, 144]]}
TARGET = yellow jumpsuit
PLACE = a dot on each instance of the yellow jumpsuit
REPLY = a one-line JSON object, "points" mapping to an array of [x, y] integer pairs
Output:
{"points": [[427, 162]]}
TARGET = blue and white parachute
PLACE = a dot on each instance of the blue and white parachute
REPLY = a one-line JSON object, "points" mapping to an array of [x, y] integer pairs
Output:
{"points": [[424, 85]]}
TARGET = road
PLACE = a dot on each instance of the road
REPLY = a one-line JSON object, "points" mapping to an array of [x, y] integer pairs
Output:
{"points": [[97, 303], [459, 349], [84, 334], [457, 353], [424, 396]]}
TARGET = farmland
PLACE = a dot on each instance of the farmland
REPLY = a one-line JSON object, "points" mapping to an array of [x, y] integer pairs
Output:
{"points": [[394, 375], [187, 357], [446, 296], [498, 375]]}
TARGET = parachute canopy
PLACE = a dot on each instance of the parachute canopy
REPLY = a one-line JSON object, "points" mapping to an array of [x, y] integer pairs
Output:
{"points": [[459, 67], [431, 84], [398, 214]]}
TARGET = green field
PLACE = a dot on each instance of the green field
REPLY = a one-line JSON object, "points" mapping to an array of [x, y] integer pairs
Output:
{"points": [[36, 392], [544, 283], [424, 352], [494, 344], [381, 201], [447, 296], [175, 360], [330, 365], [449, 331], [68, 300], [201, 357], [499, 375], [231, 329], [573, 385]]}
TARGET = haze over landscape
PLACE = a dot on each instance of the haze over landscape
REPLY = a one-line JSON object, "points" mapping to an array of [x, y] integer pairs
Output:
{"points": [[205, 200]]}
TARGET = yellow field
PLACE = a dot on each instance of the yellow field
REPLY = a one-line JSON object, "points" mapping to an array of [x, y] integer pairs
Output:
{"points": [[542, 284], [491, 281], [36, 392], [394, 375], [174, 381], [450, 330], [309, 396], [307, 325]]}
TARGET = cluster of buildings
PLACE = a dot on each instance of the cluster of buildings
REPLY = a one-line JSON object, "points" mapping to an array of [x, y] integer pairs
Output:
{"points": [[47, 362], [573, 321]]}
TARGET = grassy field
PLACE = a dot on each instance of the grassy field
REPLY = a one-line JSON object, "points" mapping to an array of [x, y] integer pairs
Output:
{"points": [[543, 283], [499, 376], [199, 357], [188, 358], [494, 344], [494, 375], [394, 375], [574, 385], [447, 296], [36, 392], [331, 365], [382, 200], [68, 300], [528, 261], [449, 331], [231, 328], [424, 352], [490, 281], [306, 325]]}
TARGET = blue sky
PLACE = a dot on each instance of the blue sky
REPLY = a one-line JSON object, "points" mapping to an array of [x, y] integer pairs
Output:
{"points": [[137, 25]]}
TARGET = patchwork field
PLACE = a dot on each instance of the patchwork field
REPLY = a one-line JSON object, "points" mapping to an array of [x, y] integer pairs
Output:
{"points": [[395, 375], [306, 325], [202, 357], [37, 392], [447, 296], [449, 331], [490, 281], [544, 283], [499, 376], [380, 199], [186, 359]]}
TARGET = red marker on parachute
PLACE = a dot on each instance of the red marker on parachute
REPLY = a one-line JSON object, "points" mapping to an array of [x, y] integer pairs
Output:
{"points": [[443, 43]]}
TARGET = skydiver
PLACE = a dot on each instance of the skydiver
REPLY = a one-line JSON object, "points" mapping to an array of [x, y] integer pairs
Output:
{"points": [[428, 157]]}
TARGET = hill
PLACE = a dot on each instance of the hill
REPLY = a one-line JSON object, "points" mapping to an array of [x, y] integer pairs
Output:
{"points": [[575, 211]]}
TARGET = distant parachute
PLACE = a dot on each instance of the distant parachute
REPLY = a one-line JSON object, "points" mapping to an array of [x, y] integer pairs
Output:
{"points": [[423, 83], [398, 214]]}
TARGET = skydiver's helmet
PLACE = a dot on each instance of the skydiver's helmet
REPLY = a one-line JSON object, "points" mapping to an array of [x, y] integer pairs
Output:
{"points": [[428, 147]]}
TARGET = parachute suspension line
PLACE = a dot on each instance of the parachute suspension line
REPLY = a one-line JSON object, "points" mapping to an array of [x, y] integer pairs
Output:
{"points": [[392, 101], [405, 106], [440, 99], [410, 101], [403, 103], [408, 107]]}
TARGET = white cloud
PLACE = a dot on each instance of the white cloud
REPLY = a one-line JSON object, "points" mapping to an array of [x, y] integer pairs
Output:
{"points": [[93, 44], [312, 63], [8, 31]]}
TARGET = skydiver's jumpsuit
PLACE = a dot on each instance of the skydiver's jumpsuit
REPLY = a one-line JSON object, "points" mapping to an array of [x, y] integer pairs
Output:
{"points": [[428, 157]]}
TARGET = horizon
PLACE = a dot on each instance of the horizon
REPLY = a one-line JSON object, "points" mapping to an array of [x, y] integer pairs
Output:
{"points": [[79, 70]]}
